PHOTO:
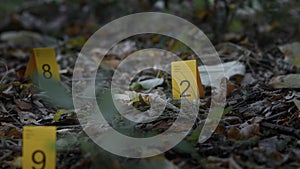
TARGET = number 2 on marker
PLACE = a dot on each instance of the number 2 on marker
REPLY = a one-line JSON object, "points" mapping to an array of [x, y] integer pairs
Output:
{"points": [[186, 83], [187, 88]]}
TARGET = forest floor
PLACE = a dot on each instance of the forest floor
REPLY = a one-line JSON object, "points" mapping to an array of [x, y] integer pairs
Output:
{"points": [[260, 126]]}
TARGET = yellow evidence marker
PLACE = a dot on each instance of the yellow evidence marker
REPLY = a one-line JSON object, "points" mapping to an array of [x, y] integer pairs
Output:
{"points": [[43, 62], [39, 150], [186, 83]]}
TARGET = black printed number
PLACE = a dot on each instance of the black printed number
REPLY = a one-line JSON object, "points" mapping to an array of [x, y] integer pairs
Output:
{"points": [[39, 157], [46, 71], [183, 94]]}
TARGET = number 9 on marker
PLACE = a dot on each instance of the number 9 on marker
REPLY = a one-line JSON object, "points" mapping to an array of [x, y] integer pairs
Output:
{"points": [[39, 150]]}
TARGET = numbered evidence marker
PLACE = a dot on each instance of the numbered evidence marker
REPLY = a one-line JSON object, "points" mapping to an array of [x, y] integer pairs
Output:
{"points": [[186, 83], [43, 61], [39, 147]]}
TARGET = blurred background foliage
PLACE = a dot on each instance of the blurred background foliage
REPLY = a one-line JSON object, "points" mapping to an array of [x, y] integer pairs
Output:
{"points": [[221, 20]]}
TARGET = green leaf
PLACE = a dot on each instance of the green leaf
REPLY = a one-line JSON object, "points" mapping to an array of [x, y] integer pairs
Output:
{"points": [[67, 141], [227, 110], [61, 112], [235, 26], [186, 147], [179, 47], [11, 5], [56, 93], [194, 136], [247, 143]]}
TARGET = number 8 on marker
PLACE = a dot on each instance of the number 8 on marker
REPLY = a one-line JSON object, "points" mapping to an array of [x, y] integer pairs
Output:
{"points": [[43, 62], [46, 71]]}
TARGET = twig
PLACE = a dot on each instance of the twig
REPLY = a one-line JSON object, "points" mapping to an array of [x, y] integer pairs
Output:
{"points": [[11, 146], [6, 155], [69, 126], [282, 129], [6, 71], [275, 115]]}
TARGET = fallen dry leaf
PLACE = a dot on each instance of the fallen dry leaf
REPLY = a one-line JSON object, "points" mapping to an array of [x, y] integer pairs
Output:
{"points": [[22, 104], [297, 103], [113, 63], [292, 53], [227, 69], [246, 130], [286, 81], [231, 87], [27, 117], [16, 162], [9, 130]]}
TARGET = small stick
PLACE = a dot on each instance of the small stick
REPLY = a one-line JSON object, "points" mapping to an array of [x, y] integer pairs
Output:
{"points": [[276, 115], [282, 129]]}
